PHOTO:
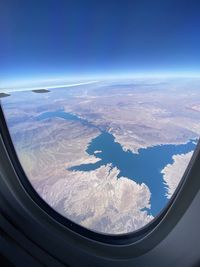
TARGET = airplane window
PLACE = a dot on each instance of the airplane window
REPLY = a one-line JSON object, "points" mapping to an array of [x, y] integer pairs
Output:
{"points": [[106, 154]]}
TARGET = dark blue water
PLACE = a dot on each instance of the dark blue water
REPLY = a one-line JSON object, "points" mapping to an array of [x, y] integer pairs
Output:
{"points": [[144, 167]]}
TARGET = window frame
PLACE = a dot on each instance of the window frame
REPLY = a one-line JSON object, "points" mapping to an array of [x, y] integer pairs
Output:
{"points": [[135, 238]]}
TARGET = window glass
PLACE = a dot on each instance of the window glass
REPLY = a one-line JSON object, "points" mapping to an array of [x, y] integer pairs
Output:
{"points": [[107, 155]]}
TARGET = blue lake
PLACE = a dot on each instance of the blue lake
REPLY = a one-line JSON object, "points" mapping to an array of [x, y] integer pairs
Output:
{"points": [[144, 167], [62, 114]]}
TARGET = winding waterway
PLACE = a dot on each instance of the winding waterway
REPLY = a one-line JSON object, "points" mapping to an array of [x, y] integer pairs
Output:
{"points": [[144, 167]]}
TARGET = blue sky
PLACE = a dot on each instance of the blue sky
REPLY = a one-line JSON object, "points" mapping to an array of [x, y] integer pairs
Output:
{"points": [[54, 38]]}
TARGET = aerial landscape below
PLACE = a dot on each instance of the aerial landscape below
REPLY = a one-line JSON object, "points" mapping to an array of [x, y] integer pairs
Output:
{"points": [[107, 154]]}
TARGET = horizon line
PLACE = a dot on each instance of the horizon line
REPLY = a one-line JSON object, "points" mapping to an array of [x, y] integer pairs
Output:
{"points": [[60, 82]]}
